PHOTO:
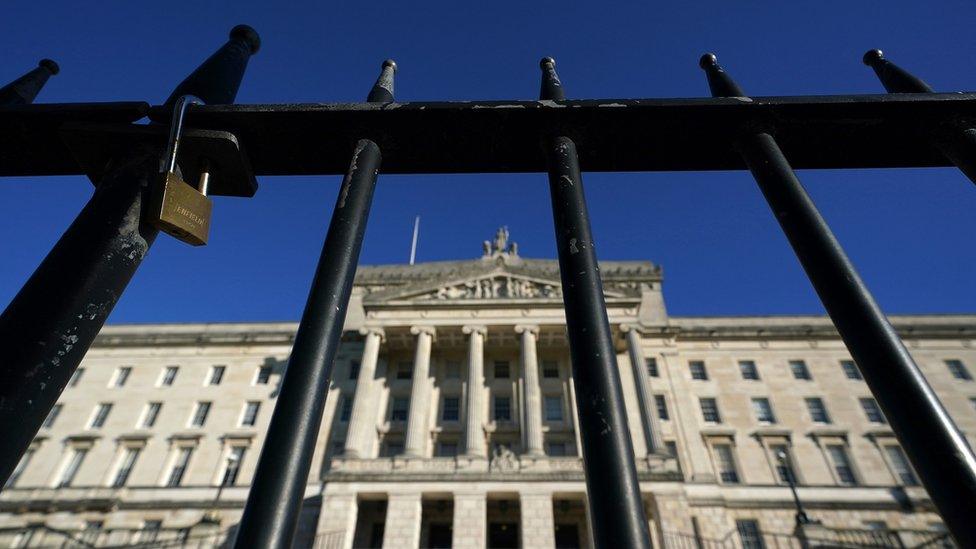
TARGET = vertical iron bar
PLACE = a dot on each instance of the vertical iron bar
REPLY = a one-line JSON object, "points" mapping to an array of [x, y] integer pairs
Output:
{"points": [[932, 441], [24, 89], [275, 500], [613, 491], [50, 324]]}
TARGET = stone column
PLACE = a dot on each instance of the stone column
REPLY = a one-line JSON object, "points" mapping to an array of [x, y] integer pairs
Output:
{"points": [[362, 422], [417, 422], [337, 521], [538, 526], [533, 396], [470, 521], [474, 436], [645, 398], [402, 529]]}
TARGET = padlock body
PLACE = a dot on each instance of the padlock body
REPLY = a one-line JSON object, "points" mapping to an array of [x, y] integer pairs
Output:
{"points": [[180, 210]]}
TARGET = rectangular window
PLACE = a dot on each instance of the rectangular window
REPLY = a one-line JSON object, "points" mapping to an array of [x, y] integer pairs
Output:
{"points": [[501, 369], [452, 369], [76, 377], [800, 370], [749, 370], [452, 409], [749, 534], [662, 407], [503, 409], [19, 469], [557, 449], [842, 464], [200, 414], [353, 369], [399, 409], [263, 375], [958, 370], [404, 370], [726, 464], [151, 413], [698, 370], [250, 417], [817, 409], [121, 376], [850, 369], [125, 467], [233, 465], [899, 462], [763, 410], [784, 463], [52, 416], [216, 375], [100, 415], [447, 449], [179, 467], [169, 375], [872, 410], [554, 408], [71, 468], [651, 365], [345, 412], [709, 408], [550, 369]]}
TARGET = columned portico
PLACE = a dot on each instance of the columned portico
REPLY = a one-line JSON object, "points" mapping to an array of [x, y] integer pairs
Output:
{"points": [[642, 381], [533, 396], [474, 437], [362, 429], [417, 421]]}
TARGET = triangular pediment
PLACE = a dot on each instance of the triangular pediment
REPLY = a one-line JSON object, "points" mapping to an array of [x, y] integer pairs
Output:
{"points": [[497, 285]]}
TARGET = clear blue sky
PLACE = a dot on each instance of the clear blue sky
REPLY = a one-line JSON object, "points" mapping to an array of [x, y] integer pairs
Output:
{"points": [[910, 232]]}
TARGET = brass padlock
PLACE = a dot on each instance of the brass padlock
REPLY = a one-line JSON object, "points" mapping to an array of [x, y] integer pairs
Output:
{"points": [[175, 207]]}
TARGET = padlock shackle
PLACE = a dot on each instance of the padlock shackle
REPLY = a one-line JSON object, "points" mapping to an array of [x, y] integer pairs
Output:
{"points": [[176, 130]]}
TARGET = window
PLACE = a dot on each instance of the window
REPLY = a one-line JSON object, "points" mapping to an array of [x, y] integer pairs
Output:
{"points": [[748, 369], [179, 466], [19, 469], [901, 466], [121, 376], [353, 369], [392, 448], [125, 467], [151, 413], [698, 371], [452, 409], [672, 448], [250, 417], [749, 534], [725, 462], [817, 409], [662, 407], [200, 414], [872, 411], [557, 449], [100, 415], [842, 464], [784, 463], [503, 409], [452, 369], [958, 370], [52, 416], [550, 369], [404, 370], [232, 467], [345, 412], [709, 408], [651, 365], [447, 449], [763, 410], [263, 376], [399, 409], [149, 533], [169, 375], [501, 369], [76, 377], [71, 467], [850, 369], [554, 408], [216, 375], [800, 370]]}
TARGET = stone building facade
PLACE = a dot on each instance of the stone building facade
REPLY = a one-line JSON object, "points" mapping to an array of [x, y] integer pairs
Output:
{"points": [[451, 422]]}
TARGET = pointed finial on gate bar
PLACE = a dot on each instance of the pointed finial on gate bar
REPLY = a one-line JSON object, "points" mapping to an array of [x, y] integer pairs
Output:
{"points": [[894, 78], [23, 90], [719, 81], [552, 88], [382, 91], [217, 79]]}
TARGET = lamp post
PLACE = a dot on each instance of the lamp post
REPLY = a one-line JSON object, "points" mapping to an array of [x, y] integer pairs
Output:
{"points": [[801, 516]]}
